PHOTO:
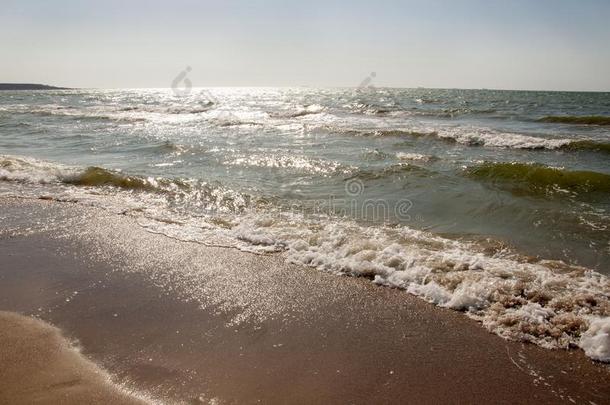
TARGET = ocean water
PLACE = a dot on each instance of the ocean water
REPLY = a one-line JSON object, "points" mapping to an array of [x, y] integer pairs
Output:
{"points": [[495, 203]]}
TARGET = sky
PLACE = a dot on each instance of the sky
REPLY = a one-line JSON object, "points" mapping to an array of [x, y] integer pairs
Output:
{"points": [[517, 44]]}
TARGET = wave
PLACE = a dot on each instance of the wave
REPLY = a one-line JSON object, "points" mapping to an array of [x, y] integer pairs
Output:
{"points": [[518, 141], [371, 108], [447, 112], [467, 111], [395, 109], [392, 170], [98, 177], [187, 110], [544, 302], [472, 137], [397, 133], [374, 155], [83, 114], [294, 162], [160, 148], [415, 157], [586, 145], [134, 113], [547, 303], [183, 194], [180, 109], [235, 122], [301, 112], [464, 136], [540, 301], [28, 170], [370, 132], [488, 138], [168, 146], [576, 119], [537, 178]]}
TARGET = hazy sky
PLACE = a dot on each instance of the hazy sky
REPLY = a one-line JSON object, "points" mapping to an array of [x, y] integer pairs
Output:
{"points": [[518, 44]]}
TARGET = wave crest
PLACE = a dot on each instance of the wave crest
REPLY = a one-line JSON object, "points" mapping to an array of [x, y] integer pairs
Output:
{"points": [[537, 178], [576, 119], [545, 302], [587, 145]]}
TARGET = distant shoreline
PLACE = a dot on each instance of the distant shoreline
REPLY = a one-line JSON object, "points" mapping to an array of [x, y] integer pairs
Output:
{"points": [[29, 86], [35, 86]]}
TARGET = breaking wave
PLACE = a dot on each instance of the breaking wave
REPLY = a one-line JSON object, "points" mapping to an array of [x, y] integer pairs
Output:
{"points": [[27, 170], [576, 120], [370, 132], [481, 137], [487, 138], [393, 170], [415, 157], [537, 178], [545, 302], [372, 108], [518, 141], [134, 113], [98, 177], [301, 111], [473, 137], [586, 145]]}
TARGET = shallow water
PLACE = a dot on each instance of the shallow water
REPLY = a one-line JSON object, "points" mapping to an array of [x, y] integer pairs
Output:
{"points": [[301, 147], [477, 200]]}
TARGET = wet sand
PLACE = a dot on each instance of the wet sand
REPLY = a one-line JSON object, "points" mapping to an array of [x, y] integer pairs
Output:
{"points": [[183, 322], [40, 366]]}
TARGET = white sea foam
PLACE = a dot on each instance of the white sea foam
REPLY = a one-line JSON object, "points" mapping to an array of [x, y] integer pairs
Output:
{"points": [[546, 302], [133, 113], [491, 138], [472, 136], [414, 156], [29, 170], [596, 340], [301, 111], [295, 162]]}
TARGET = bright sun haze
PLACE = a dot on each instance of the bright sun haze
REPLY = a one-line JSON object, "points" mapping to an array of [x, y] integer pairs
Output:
{"points": [[546, 44]]}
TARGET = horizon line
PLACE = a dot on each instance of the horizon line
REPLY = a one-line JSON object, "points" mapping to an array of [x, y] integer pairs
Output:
{"points": [[61, 87]]}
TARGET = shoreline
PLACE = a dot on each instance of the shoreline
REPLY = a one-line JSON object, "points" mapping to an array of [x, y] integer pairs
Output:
{"points": [[185, 322], [40, 365]]}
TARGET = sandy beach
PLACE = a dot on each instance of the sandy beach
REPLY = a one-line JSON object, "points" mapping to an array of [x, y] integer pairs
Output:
{"points": [[40, 366], [180, 322], [237, 202]]}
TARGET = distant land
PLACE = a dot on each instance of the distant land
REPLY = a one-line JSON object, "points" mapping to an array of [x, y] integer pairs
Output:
{"points": [[29, 86]]}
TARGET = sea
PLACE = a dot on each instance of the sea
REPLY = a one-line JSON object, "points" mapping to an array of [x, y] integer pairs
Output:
{"points": [[493, 203]]}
